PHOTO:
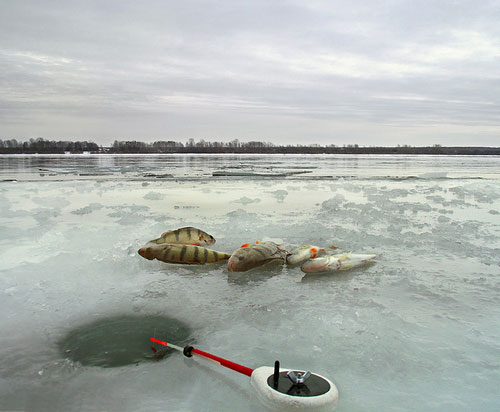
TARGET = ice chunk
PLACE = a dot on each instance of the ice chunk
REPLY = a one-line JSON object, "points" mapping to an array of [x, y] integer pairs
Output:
{"points": [[154, 196], [334, 203], [88, 209], [246, 200], [280, 195], [433, 175]]}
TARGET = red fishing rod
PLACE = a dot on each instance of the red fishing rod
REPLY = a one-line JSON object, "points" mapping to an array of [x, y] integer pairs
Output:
{"points": [[276, 387], [189, 350]]}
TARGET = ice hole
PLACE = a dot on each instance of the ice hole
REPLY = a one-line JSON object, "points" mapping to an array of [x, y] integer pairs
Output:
{"points": [[123, 340]]}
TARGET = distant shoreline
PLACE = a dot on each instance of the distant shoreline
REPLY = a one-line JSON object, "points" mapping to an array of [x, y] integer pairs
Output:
{"points": [[444, 151], [42, 146]]}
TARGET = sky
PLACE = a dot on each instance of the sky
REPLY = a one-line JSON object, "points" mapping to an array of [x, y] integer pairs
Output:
{"points": [[373, 73]]}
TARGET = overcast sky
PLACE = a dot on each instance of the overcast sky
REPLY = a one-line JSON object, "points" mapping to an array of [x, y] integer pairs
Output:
{"points": [[328, 72]]}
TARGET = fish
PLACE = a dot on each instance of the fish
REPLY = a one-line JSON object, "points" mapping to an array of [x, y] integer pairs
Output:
{"points": [[303, 253], [185, 254], [186, 236], [342, 261], [158, 354], [253, 255]]}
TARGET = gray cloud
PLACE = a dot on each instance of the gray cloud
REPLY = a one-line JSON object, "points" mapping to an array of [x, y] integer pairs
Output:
{"points": [[395, 72]]}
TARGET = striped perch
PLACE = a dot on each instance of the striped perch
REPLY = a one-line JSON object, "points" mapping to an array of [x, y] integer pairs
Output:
{"points": [[185, 236], [185, 254], [250, 256]]}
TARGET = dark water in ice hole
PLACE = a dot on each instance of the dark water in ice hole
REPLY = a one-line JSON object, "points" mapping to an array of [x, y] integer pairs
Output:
{"points": [[122, 340]]}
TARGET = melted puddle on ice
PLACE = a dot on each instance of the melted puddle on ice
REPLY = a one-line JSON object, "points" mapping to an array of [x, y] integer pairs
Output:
{"points": [[122, 340]]}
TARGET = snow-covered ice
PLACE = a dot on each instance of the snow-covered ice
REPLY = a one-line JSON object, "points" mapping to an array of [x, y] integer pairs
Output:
{"points": [[418, 330]]}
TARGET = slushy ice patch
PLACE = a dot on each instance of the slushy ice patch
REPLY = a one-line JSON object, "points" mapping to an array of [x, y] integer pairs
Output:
{"points": [[122, 340]]}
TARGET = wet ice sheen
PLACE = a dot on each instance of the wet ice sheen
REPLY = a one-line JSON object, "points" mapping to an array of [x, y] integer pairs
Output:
{"points": [[418, 330]]}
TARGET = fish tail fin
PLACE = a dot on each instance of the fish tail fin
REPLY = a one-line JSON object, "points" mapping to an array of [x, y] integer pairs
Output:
{"points": [[221, 256]]}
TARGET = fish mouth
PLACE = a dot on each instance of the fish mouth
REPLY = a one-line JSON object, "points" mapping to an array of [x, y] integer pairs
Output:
{"points": [[145, 252], [232, 265]]}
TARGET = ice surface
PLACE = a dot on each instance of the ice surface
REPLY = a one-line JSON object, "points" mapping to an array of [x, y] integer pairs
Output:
{"points": [[418, 330]]}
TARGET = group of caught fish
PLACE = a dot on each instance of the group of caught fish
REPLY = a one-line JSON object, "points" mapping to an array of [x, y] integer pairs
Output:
{"points": [[187, 246]]}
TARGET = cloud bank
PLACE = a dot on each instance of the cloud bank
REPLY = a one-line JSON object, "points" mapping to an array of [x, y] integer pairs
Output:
{"points": [[327, 72]]}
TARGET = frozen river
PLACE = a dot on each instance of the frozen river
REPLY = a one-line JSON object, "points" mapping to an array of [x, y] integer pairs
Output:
{"points": [[417, 330]]}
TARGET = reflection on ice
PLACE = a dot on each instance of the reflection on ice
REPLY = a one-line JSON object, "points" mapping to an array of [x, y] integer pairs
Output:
{"points": [[323, 167]]}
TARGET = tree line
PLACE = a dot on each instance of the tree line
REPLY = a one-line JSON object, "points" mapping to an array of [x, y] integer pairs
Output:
{"points": [[43, 146], [12, 146]]}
